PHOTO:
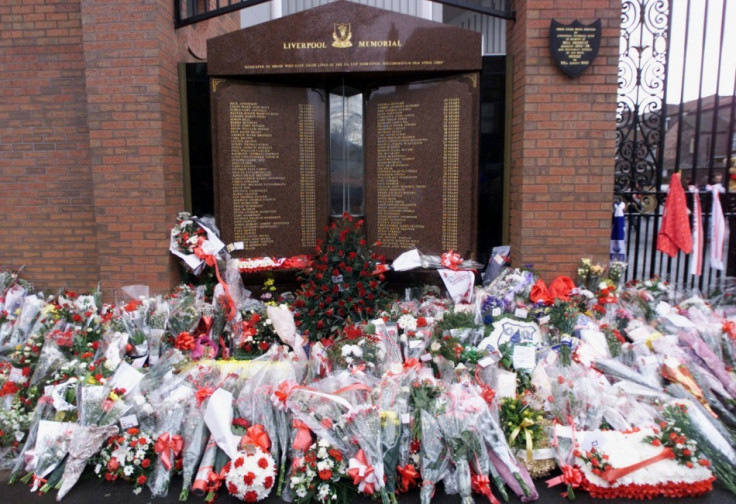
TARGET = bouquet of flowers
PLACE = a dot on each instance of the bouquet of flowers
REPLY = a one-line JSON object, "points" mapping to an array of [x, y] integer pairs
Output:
{"points": [[341, 287], [128, 456], [319, 475]]}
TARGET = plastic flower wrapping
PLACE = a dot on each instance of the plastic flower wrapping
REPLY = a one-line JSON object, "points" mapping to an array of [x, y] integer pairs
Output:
{"points": [[626, 390]]}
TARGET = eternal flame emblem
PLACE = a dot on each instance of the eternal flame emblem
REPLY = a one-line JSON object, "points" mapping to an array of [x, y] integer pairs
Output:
{"points": [[342, 35]]}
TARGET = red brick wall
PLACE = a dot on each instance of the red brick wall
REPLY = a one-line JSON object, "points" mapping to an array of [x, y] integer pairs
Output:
{"points": [[563, 139], [91, 143], [47, 220]]}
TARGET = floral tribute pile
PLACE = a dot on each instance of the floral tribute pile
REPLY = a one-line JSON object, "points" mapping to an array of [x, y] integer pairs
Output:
{"points": [[615, 390]]}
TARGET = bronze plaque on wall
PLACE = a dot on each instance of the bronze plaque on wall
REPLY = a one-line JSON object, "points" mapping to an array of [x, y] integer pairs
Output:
{"points": [[271, 180], [421, 166]]}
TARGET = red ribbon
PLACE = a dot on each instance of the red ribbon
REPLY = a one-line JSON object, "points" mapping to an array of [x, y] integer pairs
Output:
{"points": [[409, 476], [362, 473], [303, 439], [211, 260], [482, 485], [451, 260], [611, 475], [571, 476], [257, 435], [168, 447]]}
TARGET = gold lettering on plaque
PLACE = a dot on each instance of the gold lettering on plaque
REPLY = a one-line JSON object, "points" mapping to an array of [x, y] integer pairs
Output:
{"points": [[341, 34], [450, 171], [256, 209], [307, 163], [379, 43], [398, 175]]}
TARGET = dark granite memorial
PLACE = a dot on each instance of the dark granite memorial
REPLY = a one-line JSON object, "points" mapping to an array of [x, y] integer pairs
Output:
{"points": [[409, 152], [271, 182]]}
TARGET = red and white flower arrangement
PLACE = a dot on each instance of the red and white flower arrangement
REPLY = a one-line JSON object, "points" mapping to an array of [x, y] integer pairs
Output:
{"points": [[128, 456], [251, 474], [318, 475]]}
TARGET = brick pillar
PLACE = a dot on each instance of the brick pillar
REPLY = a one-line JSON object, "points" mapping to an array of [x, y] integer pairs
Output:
{"points": [[47, 218], [90, 141], [563, 139]]}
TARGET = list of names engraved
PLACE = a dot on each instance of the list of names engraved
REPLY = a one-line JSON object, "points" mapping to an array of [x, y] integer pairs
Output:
{"points": [[450, 171], [256, 216], [397, 175], [307, 164]]}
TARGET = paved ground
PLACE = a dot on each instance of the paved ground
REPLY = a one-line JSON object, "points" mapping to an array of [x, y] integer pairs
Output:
{"points": [[93, 491]]}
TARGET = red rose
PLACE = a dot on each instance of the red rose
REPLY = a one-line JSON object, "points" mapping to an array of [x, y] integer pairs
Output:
{"points": [[262, 463], [268, 482], [335, 454], [325, 475], [251, 496], [249, 478], [113, 465], [146, 463], [76, 317]]}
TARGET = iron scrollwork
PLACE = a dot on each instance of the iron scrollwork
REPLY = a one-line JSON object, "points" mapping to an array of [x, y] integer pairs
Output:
{"points": [[641, 77]]}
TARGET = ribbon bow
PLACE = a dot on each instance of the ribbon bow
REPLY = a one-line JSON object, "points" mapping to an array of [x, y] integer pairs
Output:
{"points": [[168, 447], [211, 260], [482, 485], [215, 480], [257, 435], [409, 476], [524, 426], [281, 394], [451, 260], [362, 473], [303, 438], [571, 476]]}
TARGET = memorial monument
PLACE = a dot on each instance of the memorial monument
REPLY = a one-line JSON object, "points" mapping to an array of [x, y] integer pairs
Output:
{"points": [[346, 108]]}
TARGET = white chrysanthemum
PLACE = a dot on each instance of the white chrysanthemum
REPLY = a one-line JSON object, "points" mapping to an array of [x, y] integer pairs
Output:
{"points": [[301, 492], [323, 491], [322, 453], [407, 323], [128, 470]]}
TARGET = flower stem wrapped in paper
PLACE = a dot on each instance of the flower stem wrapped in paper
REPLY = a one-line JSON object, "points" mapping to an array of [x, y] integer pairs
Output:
{"points": [[364, 424], [52, 445], [85, 442], [255, 404], [171, 406], [464, 445], [434, 455]]}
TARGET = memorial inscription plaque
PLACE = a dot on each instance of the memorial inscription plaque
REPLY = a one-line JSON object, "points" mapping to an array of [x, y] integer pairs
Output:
{"points": [[273, 183], [416, 84], [574, 46], [420, 164]]}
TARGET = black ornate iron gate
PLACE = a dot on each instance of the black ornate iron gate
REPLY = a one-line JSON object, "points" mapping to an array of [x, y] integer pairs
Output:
{"points": [[694, 137]]}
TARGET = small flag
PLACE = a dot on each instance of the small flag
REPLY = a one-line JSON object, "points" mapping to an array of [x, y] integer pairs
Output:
{"points": [[717, 231], [618, 233], [696, 259]]}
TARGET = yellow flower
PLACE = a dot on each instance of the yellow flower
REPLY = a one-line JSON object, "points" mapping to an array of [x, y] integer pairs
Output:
{"points": [[387, 416]]}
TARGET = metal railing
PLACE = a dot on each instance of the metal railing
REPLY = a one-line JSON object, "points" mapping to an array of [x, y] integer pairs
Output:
{"points": [[694, 137]]}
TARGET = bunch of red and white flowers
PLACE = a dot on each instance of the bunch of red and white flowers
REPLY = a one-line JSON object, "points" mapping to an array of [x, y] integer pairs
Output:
{"points": [[129, 456], [317, 475]]}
